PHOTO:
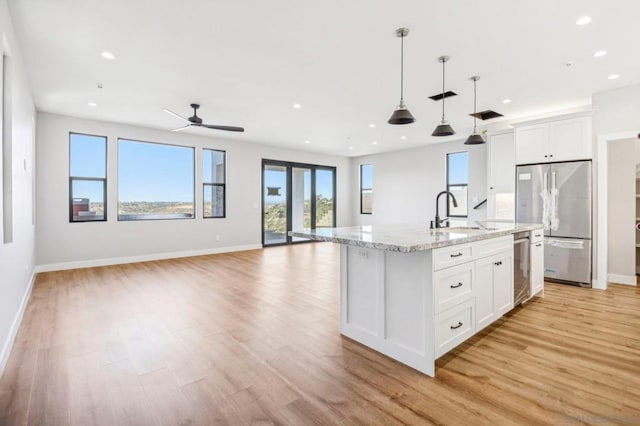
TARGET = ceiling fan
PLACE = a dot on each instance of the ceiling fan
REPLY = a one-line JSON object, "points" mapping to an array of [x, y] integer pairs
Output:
{"points": [[196, 121]]}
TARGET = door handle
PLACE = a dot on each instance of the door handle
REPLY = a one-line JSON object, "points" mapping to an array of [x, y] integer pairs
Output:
{"points": [[453, 327], [456, 286]]}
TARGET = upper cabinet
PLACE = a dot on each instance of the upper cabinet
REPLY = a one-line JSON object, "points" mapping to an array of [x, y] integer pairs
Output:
{"points": [[501, 172], [554, 140]]}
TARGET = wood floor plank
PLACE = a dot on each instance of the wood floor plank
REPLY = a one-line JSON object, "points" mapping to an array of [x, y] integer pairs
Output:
{"points": [[252, 337]]}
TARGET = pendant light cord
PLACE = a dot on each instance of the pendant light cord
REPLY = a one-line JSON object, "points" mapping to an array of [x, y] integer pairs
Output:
{"points": [[402, 71], [443, 97], [475, 110]]}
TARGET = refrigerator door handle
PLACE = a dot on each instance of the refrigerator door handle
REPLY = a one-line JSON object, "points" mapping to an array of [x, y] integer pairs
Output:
{"points": [[553, 204], [544, 194]]}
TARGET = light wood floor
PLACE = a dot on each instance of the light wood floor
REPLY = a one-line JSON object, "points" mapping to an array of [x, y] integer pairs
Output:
{"points": [[253, 337]]}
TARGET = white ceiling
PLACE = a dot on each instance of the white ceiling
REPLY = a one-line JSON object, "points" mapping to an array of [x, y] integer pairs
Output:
{"points": [[247, 62]]}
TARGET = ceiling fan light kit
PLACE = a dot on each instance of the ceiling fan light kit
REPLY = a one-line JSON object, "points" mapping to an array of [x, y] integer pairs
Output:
{"points": [[401, 115], [443, 129], [475, 138], [195, 121]]}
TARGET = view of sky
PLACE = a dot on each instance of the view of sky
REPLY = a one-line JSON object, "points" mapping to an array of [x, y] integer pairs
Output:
{"points": [[458, 167]]}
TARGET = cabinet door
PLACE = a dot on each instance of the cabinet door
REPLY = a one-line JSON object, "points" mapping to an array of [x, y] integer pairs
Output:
{"points": [[503, 283], [484, 292], [536, 274], [501, 172], [532, 144], [570, 139]]}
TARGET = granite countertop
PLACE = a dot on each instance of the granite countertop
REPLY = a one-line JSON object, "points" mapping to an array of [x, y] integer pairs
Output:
{"points": [[406, 238]]}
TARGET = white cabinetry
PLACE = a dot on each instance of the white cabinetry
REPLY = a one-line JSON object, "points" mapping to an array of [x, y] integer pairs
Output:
{"points": [[554, 140], [494, 282], [536, 277], [469, 296], [501, 172]]}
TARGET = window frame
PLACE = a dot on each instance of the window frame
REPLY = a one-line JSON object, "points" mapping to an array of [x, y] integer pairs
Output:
{"points": [[89, 179], [216, 184], [362, 189], [193, 149], [449, 184]]}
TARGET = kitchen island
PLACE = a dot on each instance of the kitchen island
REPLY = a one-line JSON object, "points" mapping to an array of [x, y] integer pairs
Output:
{"points": [[414, 293]]}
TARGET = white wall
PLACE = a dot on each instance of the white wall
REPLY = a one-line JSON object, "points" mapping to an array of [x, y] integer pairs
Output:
{"points": [[405, 183], [622, 211], [17, 257], [614, 111], [61, 244]]}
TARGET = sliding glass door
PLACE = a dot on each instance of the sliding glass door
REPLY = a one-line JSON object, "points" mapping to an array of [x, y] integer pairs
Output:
{"points": [[295, 196]]}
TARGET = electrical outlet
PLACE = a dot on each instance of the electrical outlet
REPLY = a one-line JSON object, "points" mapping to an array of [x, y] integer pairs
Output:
{"points": [[363, 253], [217, 237]]}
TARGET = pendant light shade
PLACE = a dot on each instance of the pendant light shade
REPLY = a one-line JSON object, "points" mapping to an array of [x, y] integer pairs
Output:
{"points": [[443, 129], [475, 138], [401, 115]]}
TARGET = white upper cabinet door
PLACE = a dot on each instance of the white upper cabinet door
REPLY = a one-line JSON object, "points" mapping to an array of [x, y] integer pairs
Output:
{"points": [[570, 139], [532, 144], [502, 170]]}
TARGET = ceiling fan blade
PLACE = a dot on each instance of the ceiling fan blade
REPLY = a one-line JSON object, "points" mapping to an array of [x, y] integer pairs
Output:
{"points": [[179, 129], [227, 128], [168, 111]]}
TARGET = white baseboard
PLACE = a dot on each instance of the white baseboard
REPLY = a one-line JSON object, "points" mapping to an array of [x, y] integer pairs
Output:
{"points": [[144, 258], [17, 320], [622, 279]]}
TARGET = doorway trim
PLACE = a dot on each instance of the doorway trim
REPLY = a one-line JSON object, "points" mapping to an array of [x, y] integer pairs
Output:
{"points": [[603, 200]]}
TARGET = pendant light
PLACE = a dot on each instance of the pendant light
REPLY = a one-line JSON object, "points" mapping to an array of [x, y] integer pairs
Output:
{"points": [[475, 138], [443, 129], [401, 115]]}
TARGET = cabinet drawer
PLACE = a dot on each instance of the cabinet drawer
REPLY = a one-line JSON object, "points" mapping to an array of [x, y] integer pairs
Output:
{"points": [[493, 246], [536, 236], [452, 286], [449, 256], [454, 326]]}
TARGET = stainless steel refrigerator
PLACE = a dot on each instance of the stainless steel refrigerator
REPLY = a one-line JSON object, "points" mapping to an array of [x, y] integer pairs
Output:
{"points": [[558, 195]]}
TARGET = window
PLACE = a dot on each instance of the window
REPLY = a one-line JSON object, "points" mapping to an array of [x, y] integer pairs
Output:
{"points": [[213, 179], [155, 181], [87, 178], [457, 182], [366, 188]]}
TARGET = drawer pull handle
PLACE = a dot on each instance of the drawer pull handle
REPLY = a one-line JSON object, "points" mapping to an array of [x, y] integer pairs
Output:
{"points": [[538, 245], [453, 327], [456, 286], [456, 255]]}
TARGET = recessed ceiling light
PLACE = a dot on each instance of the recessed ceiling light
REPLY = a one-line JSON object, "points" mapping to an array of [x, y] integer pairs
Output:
{"points": [[403, 137], [600, 53], [108, 55], [92, 104], [375, 142], [506, 101], [613, 76], [372, 125], [306, 141], [350, 148], [583, 20], [297, 106]]}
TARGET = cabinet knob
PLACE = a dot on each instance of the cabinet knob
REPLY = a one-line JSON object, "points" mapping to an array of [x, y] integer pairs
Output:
{"points": [[545, 156], [551, 156], [491, 187]]}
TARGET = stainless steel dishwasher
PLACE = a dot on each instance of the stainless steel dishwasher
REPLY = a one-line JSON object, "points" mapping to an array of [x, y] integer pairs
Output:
{"points": [[521, 262]]}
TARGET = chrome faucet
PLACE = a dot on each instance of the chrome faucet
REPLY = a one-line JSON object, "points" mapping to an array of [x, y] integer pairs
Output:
{"points": [[437, 223]]}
